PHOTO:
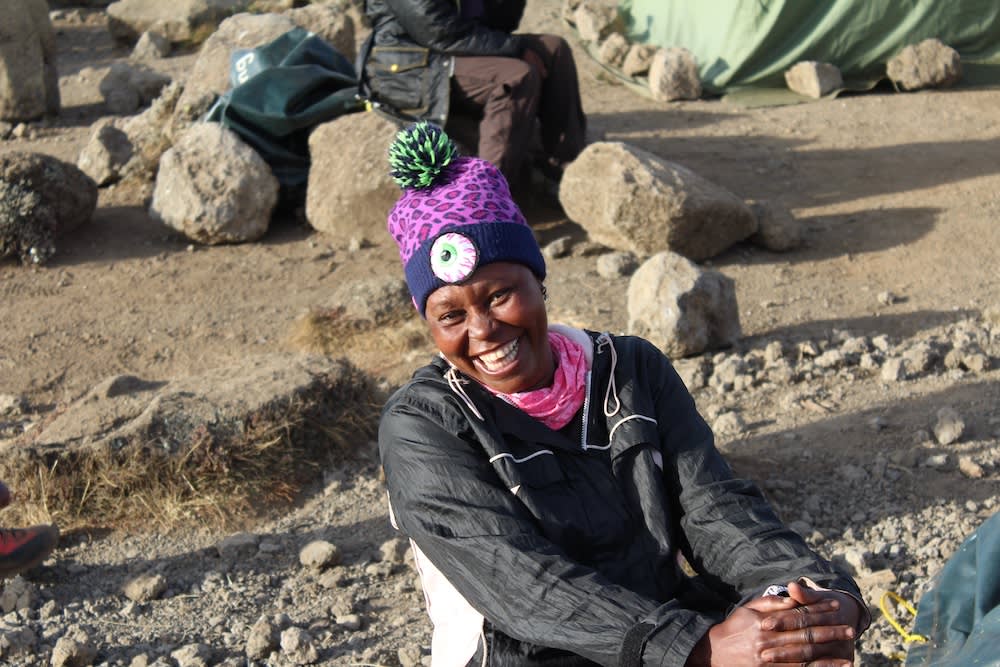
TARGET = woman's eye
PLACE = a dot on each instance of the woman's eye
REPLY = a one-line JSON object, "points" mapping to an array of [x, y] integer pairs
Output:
{"points": [[498, 297], [450, 317]]}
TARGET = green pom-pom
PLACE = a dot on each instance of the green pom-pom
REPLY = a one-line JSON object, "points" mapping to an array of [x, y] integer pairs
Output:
{"points": [[419, 154]]}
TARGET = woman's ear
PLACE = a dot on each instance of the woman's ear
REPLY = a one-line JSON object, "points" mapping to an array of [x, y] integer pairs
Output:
{"points": [[544, 291]]}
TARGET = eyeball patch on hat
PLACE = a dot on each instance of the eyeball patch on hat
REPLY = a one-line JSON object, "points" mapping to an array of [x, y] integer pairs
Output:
{"points": [[455, 214]]}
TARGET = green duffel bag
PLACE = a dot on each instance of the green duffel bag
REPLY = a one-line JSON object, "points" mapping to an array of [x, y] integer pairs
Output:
{"points": [[280, 92]]}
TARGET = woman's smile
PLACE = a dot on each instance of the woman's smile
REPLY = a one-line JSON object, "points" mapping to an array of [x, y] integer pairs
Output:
{"points": [[496, 361]]}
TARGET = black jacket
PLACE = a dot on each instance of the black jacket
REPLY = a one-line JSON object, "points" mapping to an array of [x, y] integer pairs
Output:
{"points": [[572, 543], [413, 42]]}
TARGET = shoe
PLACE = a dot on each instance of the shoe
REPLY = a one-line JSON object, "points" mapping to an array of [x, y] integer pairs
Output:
{"points": [[4, 495], [23, 548]]}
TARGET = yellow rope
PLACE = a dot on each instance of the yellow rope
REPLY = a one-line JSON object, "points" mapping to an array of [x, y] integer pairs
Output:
{"points": [[905, 604]]}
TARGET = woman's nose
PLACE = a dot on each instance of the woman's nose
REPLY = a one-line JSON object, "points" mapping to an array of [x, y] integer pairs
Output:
{"points": [[481, 324]]}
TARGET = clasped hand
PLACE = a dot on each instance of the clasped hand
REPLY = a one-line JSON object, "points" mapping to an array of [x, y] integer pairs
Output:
{"points": [[809, 627]]}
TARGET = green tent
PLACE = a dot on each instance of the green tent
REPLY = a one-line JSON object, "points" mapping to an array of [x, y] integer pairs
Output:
{"points": [[750, 43]]}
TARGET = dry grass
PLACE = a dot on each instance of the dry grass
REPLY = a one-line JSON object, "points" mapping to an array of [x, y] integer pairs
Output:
{"points": [[328, 331], [221, 474]]}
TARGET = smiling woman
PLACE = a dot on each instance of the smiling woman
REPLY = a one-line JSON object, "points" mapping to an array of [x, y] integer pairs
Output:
{"points": [[550, 478]]}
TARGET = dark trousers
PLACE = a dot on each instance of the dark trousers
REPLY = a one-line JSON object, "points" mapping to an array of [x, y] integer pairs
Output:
{"points": [[510, 95]]}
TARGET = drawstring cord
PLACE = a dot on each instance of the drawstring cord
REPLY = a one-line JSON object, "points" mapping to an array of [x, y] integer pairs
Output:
{"points": [[455, 383], [612, 390]]}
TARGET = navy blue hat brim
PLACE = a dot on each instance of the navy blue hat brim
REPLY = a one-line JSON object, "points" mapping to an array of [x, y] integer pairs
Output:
{"points": [[495, 241]]}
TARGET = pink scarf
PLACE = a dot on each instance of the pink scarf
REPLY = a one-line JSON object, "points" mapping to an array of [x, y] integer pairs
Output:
{"points": [[555, 405]]}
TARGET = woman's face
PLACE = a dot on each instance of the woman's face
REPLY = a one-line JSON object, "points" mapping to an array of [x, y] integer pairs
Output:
{"points": [[493, 328]]}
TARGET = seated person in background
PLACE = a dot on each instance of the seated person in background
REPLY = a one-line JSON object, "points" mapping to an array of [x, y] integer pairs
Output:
{"points": [[433, 57], [23, 548], [549, 478]]}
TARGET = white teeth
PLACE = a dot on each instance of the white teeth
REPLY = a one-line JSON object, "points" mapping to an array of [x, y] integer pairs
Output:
{"points": [[501, 356]]}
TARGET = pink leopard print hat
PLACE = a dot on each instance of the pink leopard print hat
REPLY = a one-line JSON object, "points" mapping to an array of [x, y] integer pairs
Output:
{"points": [[455, 214]]}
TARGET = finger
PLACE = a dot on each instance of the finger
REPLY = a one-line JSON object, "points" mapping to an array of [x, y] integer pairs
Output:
{"points": [[813, 635], [803, 594], [826, 612], [771, 603], [802, 621], [809, 652]]}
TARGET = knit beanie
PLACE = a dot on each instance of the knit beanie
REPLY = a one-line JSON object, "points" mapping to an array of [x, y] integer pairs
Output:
{"points": [[455, 214]]}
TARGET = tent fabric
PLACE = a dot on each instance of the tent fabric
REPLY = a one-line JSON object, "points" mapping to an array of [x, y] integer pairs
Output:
{"points": [[739, 43], [960, 614], [280, 92]]}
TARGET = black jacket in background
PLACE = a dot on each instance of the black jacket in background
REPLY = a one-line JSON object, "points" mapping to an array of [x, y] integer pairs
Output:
{"points": [[414, 41], [568, 547]]}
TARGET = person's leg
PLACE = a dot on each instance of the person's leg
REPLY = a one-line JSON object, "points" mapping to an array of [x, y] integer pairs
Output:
{"points": [[564, 125], [506, 91]]}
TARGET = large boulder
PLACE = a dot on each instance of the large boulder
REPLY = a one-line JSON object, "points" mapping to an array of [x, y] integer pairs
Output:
{"points": [[681, 308], [29, 82], [178, 21], [209, 76], [214, 188], [629, 199], [41, 198], [337, 23], [350, 191], [929, 64]]}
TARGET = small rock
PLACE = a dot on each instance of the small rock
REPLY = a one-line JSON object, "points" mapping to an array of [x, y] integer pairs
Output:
{"points": [[893, 370], [886, 298], [151, 46], [614, 50], [263, 638], [74, 649], [333, 579], [193, 655], [673, 75], [561, 247], [297, 646], [596, 20], [394, 550], [638, 59], [617, 264], [970, 468], [777, 229], [145, 587], [936, 462], [10, 404], [949, 426], [319, 555], [729, 424], [349, 621], [813, 79], [19, 595]]}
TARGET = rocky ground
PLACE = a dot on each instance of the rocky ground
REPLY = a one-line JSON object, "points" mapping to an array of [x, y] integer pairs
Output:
{"points": [[863, 396]]}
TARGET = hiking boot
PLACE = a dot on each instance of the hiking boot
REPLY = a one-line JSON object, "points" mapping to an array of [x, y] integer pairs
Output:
{"points": [[23, 548]]}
